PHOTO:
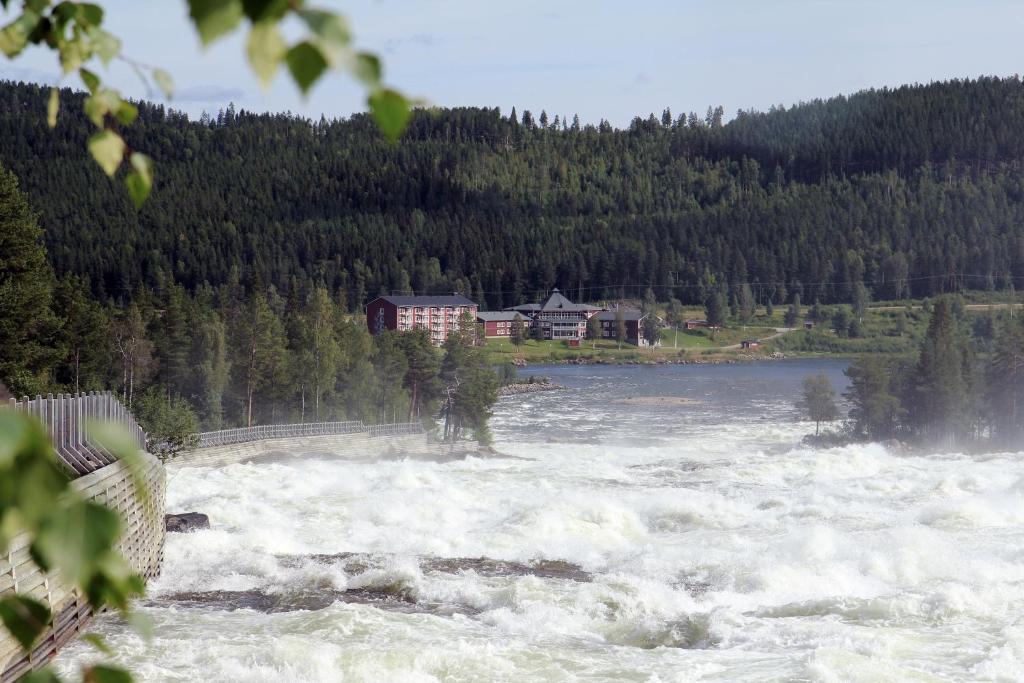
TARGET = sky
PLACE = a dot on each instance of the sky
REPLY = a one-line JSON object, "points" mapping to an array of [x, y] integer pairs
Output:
{"points": [[601, 60]]}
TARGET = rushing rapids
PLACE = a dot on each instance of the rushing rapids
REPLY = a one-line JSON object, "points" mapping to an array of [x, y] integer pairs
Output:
{"points": [[641, 539]]}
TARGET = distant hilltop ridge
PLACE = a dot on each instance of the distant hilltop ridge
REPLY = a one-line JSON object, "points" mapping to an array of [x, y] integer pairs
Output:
{"points": [[911, 191]]}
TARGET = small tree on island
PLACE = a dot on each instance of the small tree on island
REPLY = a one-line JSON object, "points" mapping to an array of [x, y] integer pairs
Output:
{"points": [[518, 333], [818, 401]]}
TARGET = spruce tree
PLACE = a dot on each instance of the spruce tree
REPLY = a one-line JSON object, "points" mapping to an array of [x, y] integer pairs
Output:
{"points": [[940, 409], [1005, 385], [792, 317]]}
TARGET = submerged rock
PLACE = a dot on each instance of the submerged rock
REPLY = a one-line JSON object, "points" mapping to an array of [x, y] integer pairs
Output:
{"points": [[528, 387], [186, 521]]}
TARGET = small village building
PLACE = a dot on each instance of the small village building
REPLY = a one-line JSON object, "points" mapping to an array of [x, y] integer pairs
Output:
{"points": [[500, 323], [633, 320], [750, 344], [439, 315], [808, 324], [557, 318], [699, 324]]}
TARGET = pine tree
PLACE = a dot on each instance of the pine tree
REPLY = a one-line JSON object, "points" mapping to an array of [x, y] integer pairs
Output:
{"points": [[28, 327], [421, 375], [876, 411], [470, 387], [82, 336]]}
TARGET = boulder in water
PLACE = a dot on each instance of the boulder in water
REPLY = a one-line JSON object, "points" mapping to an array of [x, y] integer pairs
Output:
{"points": [[186, 521]]}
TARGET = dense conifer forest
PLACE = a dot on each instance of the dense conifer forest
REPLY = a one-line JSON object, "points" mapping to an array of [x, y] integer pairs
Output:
{"points": [[912, 191], [222, 301]]}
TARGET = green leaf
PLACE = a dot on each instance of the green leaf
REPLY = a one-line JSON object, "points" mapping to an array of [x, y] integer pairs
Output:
{"points": [[14, 36], [97, 642], [110, 436], [265, 48], [306, 63], [214, 18], [77, 539], [106, 44], [260, 10], [44, 675], [366, 67], [100, 104], [90, 14], [14, 436], [52, 107], [72, 54], [91, 80], [328, 26], [391, 110], [138, 188], [107, 148], [105, 674], [126, 113], [164, 82], [24, 618]]}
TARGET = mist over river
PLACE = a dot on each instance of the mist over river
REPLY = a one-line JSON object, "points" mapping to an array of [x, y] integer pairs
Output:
{"points": [[625, 539]]}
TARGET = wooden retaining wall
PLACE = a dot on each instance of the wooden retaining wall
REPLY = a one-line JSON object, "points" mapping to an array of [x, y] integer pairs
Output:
{"points": [[105, 481]]}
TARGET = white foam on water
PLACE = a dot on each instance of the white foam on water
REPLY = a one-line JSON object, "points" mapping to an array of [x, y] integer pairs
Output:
{"points": [[718, 548]]}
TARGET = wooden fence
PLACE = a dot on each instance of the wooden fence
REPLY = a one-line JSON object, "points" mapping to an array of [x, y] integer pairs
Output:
{"points": [[98, 476], [66, 418], [227, 437]]}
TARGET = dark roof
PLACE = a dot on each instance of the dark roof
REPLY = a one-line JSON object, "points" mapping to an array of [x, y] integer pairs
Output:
{"points": [[627, 314], [494, 316], [451, 300], [555, 302], [558, 302]]}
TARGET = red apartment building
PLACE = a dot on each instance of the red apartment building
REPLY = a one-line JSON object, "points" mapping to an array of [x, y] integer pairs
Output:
{"points": [[437, 314]]}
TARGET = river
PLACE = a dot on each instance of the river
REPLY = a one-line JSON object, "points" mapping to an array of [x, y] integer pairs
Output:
{"points": [[689, 538]]}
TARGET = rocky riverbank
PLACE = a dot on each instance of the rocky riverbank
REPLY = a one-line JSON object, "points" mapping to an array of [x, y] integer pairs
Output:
{"points": [[731, 360]]}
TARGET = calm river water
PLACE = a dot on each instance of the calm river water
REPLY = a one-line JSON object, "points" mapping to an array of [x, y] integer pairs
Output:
{"points": [[623, 539]]}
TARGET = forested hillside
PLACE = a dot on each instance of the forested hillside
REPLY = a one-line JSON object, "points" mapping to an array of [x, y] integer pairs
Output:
{"points": [[916, 190]]}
